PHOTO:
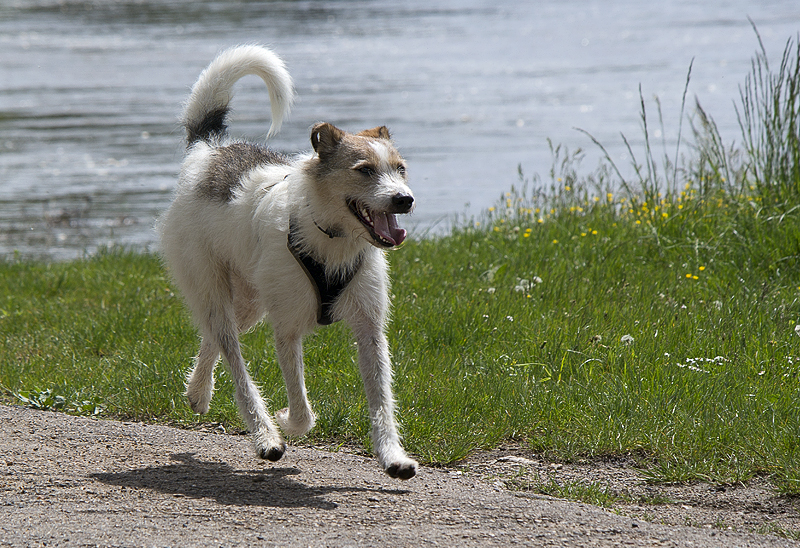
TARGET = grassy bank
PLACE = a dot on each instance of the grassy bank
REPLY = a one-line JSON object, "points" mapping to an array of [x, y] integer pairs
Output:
{"points": [[596, 315]]}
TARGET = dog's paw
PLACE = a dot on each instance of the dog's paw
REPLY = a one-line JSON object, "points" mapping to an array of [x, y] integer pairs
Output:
{"points": [[199, 403], [293, 427], [271, 452], [403, 470], [269, 445]]}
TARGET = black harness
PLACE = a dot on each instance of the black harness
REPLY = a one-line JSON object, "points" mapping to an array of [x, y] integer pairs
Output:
{"points": [[327, 290]]}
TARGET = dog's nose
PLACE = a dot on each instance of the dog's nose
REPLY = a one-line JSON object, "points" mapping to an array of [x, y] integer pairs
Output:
{"points": [[403, 202]]}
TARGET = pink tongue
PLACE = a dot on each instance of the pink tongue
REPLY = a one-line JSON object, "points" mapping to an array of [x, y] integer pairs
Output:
{"points": [[385, 225]]}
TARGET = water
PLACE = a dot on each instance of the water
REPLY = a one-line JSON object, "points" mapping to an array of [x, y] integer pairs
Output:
{"points": [[90, 93]]}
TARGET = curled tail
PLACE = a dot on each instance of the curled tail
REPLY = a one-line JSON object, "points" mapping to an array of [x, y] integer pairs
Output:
{"points": [[209, 102]]}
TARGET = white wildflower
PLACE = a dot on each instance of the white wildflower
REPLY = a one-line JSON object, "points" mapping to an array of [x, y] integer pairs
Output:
{"points": [[626, 340], [523, 285]]}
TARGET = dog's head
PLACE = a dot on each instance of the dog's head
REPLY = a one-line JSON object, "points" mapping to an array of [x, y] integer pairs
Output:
{"points": [[366, 175]]}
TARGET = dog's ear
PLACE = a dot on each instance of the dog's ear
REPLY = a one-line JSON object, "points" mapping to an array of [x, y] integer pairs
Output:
{"points": [[380, 132], [325, 138]]}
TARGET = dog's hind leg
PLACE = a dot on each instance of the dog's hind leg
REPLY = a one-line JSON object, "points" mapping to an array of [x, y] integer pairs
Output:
{"points": [[298, 418], [269, 444], [200, 384], [376, 371]]}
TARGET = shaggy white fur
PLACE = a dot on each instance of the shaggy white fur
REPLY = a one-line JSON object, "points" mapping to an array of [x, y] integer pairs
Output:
{"points": [[225, 240]]}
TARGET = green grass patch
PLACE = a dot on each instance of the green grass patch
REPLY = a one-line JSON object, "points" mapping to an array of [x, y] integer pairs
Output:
{"points": [[585, 315]]}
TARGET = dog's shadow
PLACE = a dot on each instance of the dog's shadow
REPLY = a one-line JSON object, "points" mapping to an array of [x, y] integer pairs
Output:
{"points": [[196, 479]]}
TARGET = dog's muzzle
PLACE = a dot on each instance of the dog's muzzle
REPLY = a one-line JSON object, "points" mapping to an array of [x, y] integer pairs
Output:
{"points": [[382, 225]]}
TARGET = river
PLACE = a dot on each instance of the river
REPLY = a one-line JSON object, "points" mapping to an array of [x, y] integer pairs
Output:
{"points": [[90, 92]]}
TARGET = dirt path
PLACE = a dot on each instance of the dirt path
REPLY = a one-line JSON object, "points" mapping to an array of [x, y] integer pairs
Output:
{"points": [[71, 481]]}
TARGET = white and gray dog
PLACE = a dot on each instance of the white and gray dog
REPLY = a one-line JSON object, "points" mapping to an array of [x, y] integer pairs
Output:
{"points": [[301, 239]]}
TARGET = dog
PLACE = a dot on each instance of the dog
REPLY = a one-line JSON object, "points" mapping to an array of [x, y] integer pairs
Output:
{"points": [[299, 240]]}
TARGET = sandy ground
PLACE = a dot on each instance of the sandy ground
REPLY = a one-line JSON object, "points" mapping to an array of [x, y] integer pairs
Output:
{"points": [[73, 481]]}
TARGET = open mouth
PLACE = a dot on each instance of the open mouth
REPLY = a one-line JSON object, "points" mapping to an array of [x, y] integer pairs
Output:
{"points": [[381, 226]]}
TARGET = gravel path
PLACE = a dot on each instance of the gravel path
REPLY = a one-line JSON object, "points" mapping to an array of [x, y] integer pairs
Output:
{"points": [[73, 481]]}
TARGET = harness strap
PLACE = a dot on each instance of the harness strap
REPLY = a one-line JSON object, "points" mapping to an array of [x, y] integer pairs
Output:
{"points": [[327, 291]]}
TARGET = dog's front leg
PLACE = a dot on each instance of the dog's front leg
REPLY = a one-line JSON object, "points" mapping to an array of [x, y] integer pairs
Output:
{"points": [[298, 418], [376, 372]]}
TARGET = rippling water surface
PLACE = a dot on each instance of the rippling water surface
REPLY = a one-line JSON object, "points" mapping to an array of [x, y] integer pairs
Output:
{"points": [[90, 93]]}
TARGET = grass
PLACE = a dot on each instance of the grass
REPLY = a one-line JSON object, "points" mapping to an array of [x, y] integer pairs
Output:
{"points": [[585, 315]]}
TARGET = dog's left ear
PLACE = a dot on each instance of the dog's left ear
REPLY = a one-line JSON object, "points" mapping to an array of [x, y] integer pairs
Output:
{"points": [[325, 138], [380, 132]]}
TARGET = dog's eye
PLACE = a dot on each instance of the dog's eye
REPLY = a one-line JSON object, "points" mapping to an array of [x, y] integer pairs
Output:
{"points": [[366, 170], [401, 169]]}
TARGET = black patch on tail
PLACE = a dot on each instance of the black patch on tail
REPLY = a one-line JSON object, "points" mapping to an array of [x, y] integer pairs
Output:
{"points": [[212, 125], [229, 164]]}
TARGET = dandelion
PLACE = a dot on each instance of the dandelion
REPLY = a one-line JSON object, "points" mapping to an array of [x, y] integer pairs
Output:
{"points": [[491, 291], [556, 241], [701, 268], [594, 232]]}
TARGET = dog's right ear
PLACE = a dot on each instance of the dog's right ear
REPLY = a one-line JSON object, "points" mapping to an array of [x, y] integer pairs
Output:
{"points": [[325, 138]]}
